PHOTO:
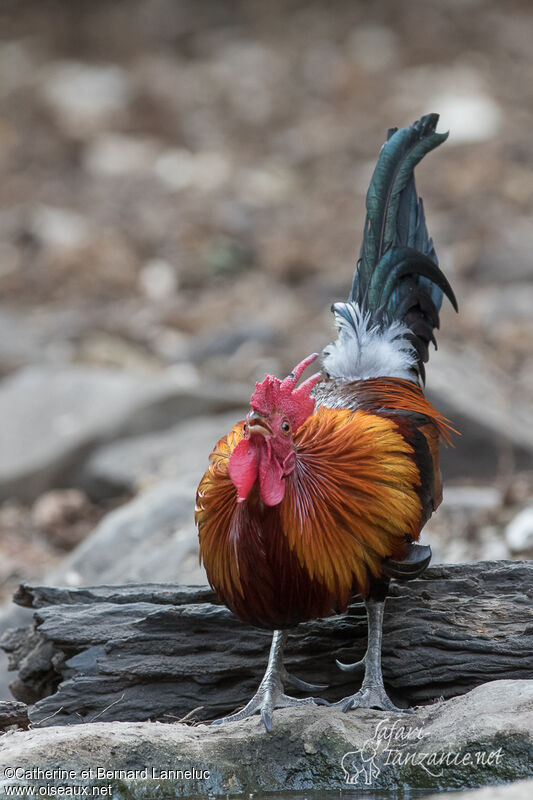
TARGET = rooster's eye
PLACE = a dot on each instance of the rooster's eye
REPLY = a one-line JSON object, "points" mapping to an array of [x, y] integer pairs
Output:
{"points": [[286, 427]]}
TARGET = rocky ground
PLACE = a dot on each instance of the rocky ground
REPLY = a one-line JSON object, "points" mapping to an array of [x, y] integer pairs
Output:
{"points": [[480, 738], [181, 198]]}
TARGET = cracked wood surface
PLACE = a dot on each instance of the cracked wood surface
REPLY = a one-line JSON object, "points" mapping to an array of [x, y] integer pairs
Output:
{"points": [[153, 651]]}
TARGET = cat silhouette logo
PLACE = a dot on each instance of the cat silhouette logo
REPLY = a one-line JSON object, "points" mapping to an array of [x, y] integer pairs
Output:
{"points": [[359, 766]]}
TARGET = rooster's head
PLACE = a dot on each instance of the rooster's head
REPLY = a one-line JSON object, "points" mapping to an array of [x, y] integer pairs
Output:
{"points": [[266, 454]]}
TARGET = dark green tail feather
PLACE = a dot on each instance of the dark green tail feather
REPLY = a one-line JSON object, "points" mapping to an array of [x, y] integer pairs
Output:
{"points": [[397, 275]]}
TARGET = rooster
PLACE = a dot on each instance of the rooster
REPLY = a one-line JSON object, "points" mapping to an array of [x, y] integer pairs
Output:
{"points": [[320, 494]]}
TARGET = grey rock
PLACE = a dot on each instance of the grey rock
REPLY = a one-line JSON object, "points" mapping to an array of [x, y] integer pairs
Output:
{"points": [[472, 114], [485, 734], [13, 713], [458, 91], [17, 65], [181, 169], [472, 497], [519, 532], [129, 464], [5, 678], [489, 305], [86, 95], [374, 47], [485, 407], [151, 538], [509, 259], [226, 341], [158, 281], [45, 336], [54, 417], [117, 155], [59, 228], [19, 342]]}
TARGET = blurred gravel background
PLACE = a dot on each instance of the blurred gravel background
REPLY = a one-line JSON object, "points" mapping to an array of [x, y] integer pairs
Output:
{"points": [[181, 199]]}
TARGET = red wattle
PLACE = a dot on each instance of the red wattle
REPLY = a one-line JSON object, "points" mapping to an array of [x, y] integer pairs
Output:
{"points": [[271, 481], [243, 468]]}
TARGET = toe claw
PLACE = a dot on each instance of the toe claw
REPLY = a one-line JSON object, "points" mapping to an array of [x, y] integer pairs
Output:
{"points": [[298, 683], [266, 716], [229, 718], [356, 667], [223, 720], [319, 701]]}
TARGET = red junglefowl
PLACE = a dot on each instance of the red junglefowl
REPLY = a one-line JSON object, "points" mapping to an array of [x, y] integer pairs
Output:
{"points": [[321, 492]]}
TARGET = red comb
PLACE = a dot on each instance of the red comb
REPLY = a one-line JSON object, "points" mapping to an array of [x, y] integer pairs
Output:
{"points": [[297, 404]]}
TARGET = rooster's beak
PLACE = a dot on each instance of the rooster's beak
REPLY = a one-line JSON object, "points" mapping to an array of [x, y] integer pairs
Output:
{"points": [[258, 424]]}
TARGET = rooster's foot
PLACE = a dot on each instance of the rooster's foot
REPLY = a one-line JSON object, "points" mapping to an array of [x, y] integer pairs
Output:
{"points": [[373, 695], [266, 699], [270, 694]]}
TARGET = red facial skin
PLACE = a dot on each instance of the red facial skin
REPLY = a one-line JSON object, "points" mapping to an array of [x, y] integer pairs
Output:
{"points": [[267, 454]]}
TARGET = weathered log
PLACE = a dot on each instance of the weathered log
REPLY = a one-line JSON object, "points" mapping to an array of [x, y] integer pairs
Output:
{"points": [[156, 652]]}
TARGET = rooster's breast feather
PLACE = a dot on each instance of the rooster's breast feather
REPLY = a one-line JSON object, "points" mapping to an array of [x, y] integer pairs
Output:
{"points": [[349, 503]]}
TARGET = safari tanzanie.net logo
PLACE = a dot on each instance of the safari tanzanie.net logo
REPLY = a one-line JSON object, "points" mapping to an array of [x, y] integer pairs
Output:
{"points": [[397, 744]]}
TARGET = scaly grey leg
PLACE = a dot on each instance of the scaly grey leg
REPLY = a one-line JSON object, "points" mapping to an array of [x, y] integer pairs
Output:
{"points": [[372, 693], [270, 694]]}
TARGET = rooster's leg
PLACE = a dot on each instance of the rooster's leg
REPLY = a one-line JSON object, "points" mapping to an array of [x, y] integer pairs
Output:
{"points": [[372, 693], [270, 694]]}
